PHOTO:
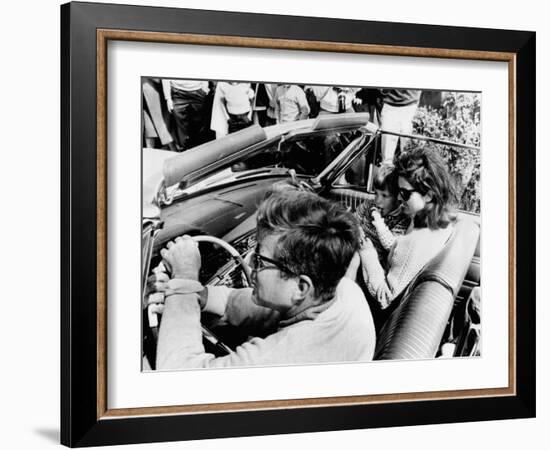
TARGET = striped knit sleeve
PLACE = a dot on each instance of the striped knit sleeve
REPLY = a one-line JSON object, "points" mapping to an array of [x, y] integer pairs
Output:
{"points": [[409, 255], [385, 235]]}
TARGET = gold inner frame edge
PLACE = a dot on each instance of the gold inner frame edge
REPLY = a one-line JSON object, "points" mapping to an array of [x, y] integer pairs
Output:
{"points": [[103, 36]]}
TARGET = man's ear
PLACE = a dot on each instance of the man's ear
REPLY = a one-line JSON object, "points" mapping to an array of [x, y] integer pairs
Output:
{"points": [[304, 288]]}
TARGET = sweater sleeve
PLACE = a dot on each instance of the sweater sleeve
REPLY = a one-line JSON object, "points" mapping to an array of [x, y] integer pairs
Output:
{"points": [[180, 335], [236, 307], [410, 254], [374, 274], [385, 235]]}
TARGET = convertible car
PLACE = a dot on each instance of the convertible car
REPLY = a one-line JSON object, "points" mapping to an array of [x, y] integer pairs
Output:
{"points": [[212, 192]]}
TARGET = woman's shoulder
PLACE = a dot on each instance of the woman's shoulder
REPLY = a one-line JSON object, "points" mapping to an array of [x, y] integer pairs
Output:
{"points": [[421, 236], [419, 246]]}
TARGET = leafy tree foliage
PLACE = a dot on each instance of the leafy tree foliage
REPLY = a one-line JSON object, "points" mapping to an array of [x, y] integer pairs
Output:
{"points": [[457, 120]]}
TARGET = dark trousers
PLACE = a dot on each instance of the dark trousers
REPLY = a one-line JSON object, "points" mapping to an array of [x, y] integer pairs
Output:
{"points": [[189, 115], [237, 122]]}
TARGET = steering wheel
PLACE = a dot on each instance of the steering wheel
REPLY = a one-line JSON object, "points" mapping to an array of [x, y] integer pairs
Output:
{"points": [[155, 306], [230, 249]]}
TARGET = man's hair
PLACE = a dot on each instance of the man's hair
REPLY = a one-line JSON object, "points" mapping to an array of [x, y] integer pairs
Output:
{"points": [[316, 237], [427, 173], [385, 178]]}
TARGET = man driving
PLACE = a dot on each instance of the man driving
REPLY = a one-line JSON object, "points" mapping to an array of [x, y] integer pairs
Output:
{"points": [[300, 308]]}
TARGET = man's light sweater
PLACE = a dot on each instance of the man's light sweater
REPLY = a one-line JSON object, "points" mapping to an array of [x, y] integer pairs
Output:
{"points": [[344, 331]]}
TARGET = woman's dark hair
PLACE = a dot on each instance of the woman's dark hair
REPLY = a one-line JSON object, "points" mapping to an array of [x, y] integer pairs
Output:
{"points": [[317, 237], [427, 173]]}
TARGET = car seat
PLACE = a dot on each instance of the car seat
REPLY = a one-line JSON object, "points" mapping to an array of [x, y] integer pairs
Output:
{"points": [[415, 328]]}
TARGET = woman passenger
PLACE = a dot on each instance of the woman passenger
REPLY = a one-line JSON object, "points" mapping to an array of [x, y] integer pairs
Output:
{"points": [[426, 193]]}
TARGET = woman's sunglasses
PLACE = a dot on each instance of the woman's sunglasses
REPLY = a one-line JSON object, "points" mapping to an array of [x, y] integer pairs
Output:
{"points": [[258, 263], [405, 194]]}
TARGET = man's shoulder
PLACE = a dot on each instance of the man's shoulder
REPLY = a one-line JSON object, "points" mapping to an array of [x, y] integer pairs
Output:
{"points": [[357, 310], [349, 292]]}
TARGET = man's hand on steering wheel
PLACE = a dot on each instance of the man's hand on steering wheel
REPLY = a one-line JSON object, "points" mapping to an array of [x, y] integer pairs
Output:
{"points": [[182, 258]]}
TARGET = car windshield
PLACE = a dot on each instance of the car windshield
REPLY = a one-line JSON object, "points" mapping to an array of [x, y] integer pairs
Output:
{"points": [[308, 154]]}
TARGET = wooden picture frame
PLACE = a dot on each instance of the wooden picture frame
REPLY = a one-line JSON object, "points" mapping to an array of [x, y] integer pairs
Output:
{"points": [[85, 416]]}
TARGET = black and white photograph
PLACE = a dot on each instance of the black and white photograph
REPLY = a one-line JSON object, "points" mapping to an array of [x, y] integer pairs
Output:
{"points": [[298, 224]]}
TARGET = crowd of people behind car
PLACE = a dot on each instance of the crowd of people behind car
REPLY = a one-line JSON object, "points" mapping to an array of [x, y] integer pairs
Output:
{"points": [[181, 114]]}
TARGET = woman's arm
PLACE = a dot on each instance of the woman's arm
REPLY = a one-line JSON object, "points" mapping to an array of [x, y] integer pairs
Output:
{"points": [[351, 271], [408, 257], [374, 275]]}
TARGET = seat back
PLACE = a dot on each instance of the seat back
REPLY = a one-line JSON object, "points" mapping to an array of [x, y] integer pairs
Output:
{"points": [[415, 328]]}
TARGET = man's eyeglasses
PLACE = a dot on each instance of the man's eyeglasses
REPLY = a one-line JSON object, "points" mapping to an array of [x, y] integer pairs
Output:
{"points": [[405, 194], [258, 263]]}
